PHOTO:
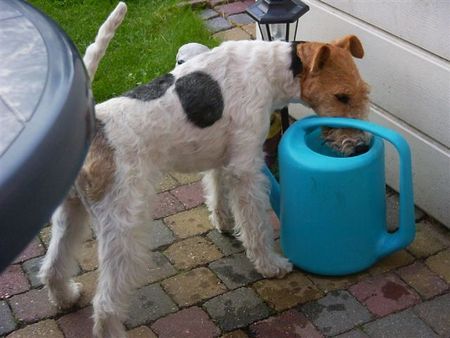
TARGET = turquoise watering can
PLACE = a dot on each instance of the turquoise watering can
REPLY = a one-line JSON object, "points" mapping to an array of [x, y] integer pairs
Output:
{"points": [[332, 208]]}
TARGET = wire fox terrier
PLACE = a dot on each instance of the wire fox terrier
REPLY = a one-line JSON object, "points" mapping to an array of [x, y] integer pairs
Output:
{"points": [[210, 114]]}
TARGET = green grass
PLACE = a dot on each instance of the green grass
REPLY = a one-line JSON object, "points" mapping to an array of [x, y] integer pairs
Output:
{"points": [[144, 46]]}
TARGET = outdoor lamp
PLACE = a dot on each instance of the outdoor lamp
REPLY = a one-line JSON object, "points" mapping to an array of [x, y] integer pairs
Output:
{"points": [[278, 20]]}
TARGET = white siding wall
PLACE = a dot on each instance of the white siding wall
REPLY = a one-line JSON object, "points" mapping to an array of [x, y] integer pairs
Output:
{"points": [[407, 45]]}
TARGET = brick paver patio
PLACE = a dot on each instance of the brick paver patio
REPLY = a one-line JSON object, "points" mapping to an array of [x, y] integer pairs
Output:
{"points": [[200, 283]]}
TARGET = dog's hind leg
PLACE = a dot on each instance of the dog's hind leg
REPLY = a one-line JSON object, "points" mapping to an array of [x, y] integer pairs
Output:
{"points": [[249, 203], [216, 195], [123, 248], [69, 228]]}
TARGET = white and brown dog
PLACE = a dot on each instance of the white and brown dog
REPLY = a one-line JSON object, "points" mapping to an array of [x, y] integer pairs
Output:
{"points": [[209, 114]]}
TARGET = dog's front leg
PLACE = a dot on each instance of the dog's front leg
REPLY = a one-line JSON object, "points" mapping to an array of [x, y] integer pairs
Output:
{"points": [[249, 203], [216, 190]]}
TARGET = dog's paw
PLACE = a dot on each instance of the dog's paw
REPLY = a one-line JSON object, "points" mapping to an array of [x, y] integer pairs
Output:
{"points": [[273, 266], [67, 296], [108, 326]]}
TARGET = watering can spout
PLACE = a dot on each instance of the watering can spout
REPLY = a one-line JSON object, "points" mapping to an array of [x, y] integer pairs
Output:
{"points": [[274, 191]]}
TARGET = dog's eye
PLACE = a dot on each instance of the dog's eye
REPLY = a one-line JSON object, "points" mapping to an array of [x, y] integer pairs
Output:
{"points": [[344, 98], [180, 62]]}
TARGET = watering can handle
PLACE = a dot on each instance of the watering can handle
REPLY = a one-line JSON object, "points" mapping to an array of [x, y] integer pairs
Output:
{"points": [[389, 243]]}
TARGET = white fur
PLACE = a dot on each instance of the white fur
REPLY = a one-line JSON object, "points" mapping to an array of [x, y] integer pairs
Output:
{"points": [[153, 137], [96, 51]]}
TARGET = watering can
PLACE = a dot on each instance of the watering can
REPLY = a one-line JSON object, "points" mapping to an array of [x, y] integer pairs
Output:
{"points": [[332, 209]]}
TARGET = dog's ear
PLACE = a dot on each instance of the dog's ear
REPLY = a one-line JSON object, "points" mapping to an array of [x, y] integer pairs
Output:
{"points": [[319, 59], [352, 44]]}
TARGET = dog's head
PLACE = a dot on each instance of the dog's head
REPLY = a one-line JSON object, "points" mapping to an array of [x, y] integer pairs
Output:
{"points": [[331, 85], [188, 51]]}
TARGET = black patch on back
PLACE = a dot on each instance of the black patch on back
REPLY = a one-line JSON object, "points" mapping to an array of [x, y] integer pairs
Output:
{"points": [[201, 98], [152, 90], [296, 64]]}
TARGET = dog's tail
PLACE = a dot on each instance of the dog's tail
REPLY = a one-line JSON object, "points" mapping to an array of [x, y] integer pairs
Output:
{"points": [[96, 51]]}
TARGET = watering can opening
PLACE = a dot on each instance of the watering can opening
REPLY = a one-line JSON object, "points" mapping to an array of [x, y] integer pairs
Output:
{"points": [[315, 142]]}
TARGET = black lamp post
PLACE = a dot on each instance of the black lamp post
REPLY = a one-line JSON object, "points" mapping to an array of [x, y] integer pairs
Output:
{"points": [[278, 20]]}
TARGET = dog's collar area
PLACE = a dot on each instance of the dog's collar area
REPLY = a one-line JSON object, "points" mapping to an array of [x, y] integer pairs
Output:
{"points": [[301, 101], [296, 63]]}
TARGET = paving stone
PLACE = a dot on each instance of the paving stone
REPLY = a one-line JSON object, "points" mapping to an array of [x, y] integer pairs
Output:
{"points": [[227, 243], [158, 268], [384, 294], [208, 13], [192, 322], [241, 19], [277, 247], [440, 264], [166, 204], [233, 34], [148, 304], [235, 334], [214, 3], [326, 283], [235, 271], [236, 309], [77, 324], [33, 249], [426, 243], [190, 223], [46, 328], [45, 235], [282, 294], [392, 210], [191, 195], [336, 313], [161, 235], [89, 281], [32, 306], [250, 29], [425, 282], [141, 332], [193, 286], [232, 8], [436, 314], [217, 24], [289, 324], [167, 183], [402, 324], [391, 262], [88, 256], [12, 281], [248, 2], [31, 268], [7, 322], [192, 252], [186, 178], [356, 333]]}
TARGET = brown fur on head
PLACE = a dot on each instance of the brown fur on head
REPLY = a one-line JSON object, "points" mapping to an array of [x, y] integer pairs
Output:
{"points": [[331, 85]]}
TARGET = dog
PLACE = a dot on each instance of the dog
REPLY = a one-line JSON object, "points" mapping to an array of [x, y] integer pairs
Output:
{"points": [[188, 51], [210, 114]]}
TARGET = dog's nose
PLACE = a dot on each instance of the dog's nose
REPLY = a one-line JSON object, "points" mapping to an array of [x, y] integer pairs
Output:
{"points": [[360, 148]]}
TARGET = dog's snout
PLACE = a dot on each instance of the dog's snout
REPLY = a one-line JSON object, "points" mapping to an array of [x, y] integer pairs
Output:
{"points": [[360, 148]]}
